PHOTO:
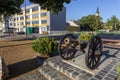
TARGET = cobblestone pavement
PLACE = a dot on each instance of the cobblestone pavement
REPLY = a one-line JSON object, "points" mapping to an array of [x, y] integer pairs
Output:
{"points": [[34, 75], [55, 69], [107, 73]]}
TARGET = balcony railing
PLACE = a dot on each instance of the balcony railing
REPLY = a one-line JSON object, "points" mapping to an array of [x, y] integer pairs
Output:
{"points": [[43, 25]]}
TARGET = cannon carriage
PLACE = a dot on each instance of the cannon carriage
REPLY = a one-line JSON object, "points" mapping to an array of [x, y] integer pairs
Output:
{"points": [[92, 49]]}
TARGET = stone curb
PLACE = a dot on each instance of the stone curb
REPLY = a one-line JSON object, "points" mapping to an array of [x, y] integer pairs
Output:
{"points": [[70, 71], [4, 72], [52, 74]]}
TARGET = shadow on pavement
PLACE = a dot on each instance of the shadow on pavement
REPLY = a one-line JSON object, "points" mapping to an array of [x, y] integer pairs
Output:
{"points": [[107, 54], [25, 66]]}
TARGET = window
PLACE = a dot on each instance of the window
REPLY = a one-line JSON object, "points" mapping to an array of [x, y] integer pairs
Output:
{"points": [[35, 16], [43, 14], [28, 22], [21, 18], [21, 23], [43, 21], [14, 19], [43, 28], [17, 23], [35, 8], [28, 16], [35, 22], [28, 10], [10, 24], [11, 19], [14, 24], [17, 18]]}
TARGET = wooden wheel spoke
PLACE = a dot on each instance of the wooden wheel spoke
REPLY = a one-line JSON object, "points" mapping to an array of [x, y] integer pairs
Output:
{"points": [[93, 45], [93, 53], [90, 62], [71, 52], [66, 49], [97, 44], [98, 47], [95, 60], [90, 55]]}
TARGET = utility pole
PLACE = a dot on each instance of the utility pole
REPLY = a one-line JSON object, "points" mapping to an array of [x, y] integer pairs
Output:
{"points": [[25, 17]]}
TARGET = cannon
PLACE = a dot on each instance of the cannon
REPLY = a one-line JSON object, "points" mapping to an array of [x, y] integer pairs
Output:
{"points": [[92, 49]]}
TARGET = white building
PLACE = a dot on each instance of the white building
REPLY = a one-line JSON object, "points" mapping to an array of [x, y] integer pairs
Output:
{"points": [[73, 23], [39, 20]]}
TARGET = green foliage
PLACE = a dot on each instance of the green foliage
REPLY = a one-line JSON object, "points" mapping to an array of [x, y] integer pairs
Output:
{"points": [[114, 22], [90, 22], [118, 68], [44, 45], [9, 7], [107, 27], [72, 28], [54, 6], [85, 36]]}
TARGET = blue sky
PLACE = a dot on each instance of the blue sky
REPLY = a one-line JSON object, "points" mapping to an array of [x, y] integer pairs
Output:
{"points": [[79, 8]]}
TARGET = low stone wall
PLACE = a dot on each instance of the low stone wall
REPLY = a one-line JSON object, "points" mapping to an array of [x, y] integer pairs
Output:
{"points": [[3, 69]]}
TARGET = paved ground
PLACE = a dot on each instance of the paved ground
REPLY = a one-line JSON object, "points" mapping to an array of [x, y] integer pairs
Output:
{"points": [[21, 62], [33, 75], [107, 73]]}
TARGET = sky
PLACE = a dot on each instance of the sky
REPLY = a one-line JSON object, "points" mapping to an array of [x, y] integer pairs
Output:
{"points": [[79, 8]]}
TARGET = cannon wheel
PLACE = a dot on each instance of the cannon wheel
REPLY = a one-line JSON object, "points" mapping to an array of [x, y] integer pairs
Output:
{"points": [[66, 51], [93, 52]]}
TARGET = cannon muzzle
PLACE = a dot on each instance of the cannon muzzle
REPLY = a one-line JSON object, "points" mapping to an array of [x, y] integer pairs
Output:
{"points": [[68, 41]]}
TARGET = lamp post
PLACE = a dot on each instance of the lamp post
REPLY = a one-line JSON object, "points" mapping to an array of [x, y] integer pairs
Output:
{"points": [[25, 17]]}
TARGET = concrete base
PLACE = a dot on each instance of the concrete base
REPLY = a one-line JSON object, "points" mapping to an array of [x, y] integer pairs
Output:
{"points": [[79, 62]]}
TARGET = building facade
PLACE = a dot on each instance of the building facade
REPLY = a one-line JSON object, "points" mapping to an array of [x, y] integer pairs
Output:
{"points": [[72, 25], [39, 20], [4, 25]]}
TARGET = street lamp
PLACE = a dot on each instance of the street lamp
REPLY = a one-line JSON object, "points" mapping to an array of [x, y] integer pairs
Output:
{"points": [[25, 17]]}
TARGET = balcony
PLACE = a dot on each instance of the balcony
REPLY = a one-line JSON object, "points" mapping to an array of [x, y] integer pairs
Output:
{"points": [[21, 20], [21, 26], [35, 18], [43, 10], [34, 12], [28, 25], [35, 25], [43, 17], [27, 13], [43, 25], [28, 19]]}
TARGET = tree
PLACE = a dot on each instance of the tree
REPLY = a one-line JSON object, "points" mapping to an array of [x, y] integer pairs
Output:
{"points": [[54, 6], [9, 7], [90, 22], [113, 22]]}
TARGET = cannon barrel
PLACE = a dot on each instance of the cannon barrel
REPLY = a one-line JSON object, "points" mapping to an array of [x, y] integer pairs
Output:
{"points": [[68, 41]]}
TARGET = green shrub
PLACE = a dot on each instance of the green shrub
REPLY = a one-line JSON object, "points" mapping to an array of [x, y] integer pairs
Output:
{"points": [[44, 45], [118, 71], [118, 68], [85, 36]]}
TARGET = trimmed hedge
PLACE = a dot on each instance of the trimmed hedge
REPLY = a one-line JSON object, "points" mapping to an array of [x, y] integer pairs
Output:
{"points": [[44, 45], [85, 36]]}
